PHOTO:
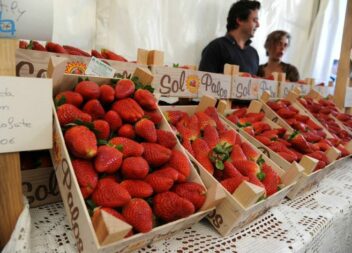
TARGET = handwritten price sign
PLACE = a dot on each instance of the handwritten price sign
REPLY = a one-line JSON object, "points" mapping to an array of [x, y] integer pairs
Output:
{"points": [[25, 114], [26, 19]]}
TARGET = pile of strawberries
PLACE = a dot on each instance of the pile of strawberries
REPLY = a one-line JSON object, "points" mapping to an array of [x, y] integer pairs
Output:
{"points": [[312, 137], [322, 111], [65, 49], [123, 162], [221, 151]]}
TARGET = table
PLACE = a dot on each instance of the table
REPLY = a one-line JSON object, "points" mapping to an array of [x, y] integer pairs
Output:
{"points": [[318, 221]]}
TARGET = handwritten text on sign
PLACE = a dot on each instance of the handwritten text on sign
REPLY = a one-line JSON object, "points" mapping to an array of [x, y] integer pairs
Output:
{"points": [[23, 19], [25, 114], [252, 88], [214, 85]]}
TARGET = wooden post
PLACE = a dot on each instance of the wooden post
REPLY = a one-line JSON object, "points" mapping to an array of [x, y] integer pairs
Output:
{"points": [[11, 198], [343, 71]]}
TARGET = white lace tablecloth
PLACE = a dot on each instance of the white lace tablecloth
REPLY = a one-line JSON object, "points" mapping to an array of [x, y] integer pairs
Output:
{"points": [[317, 221]]}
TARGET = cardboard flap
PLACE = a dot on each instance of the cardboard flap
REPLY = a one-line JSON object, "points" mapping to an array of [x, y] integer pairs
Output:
{"points": [[309, 164], [255, 106], [297, 90], [265, 96], [348, 146], [292, 96], [293, 174], [314, 94], [108, 228], [248, 194], [215, 194], [332, 154], [205, 102], [144, 75], [222, 106]]}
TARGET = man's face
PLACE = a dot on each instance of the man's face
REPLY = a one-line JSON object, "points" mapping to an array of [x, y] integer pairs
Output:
{"points": [[250, 25]]}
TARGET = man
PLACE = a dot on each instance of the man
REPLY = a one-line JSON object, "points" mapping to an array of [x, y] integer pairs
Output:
{"points": [[234, 47]]}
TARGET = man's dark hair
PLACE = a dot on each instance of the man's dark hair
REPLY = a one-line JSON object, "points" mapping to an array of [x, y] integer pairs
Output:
{"points": [[240, 10]]}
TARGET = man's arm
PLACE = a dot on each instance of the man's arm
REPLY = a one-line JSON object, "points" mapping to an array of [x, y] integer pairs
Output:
{"points": [[210, 61]]}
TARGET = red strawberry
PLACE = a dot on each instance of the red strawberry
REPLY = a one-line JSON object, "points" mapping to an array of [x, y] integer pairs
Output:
{"points": [[23, 44], [55, 48], [139, 214], [159, 183], [94, 108], [102, 129], [155, 154], [127, 131], [107, 54], [229, 137], [107, 94], [271, 134], [145, 128], [231, 184], [75, 49], [299, 142], [249, 151], [263, 139], [174, 116], [255, 117], [128, 109], [233, 118], [68, 113], [249, 130], [168, 172], [230, 171], [166, 138], [344, 151], [201, 152], [271, 180], [96, 54], [145, 99], [86, 176], [246, 167], [81, 142], [286, 113], [88, 90], [168, 206], [313, 125], [240, 112], [204, 120], [237, 153], [212, 112], [276, 105], [302, 118], [137, 188], [69, 97], [188, 146], [193, 192], [124, 88], [154, 116], [181, 163], [260, 126], [134, 168], [113, 119], [35, 45], [290, 157], [211, 136], [129, 147], [312, 137], [277, 146], [110, 194], [108, 159]]}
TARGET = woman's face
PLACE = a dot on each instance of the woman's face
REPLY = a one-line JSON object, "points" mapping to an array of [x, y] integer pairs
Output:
{"points": [[276, 51]]}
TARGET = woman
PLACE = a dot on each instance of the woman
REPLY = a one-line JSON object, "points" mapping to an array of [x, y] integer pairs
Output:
{"points": [[276, 44]]}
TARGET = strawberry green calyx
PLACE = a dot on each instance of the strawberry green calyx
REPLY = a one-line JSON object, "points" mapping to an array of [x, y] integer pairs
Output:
{"points": [[293, 135], [260, 160], [243, 125], [261, 176]]}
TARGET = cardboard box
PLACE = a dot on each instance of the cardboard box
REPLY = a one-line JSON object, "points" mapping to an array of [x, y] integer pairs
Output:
{"points": [[232, 213], [77, 213]]}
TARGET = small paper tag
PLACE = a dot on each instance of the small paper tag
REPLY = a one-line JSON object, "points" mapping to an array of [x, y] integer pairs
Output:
{"points": [[97, 67]]}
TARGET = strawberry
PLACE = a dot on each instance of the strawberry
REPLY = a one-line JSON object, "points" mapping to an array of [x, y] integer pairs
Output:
{"points": [[191, 191], [145, 99], [75, 49], [35, 45], [237, 153], [166, 138], [137, 188], [69, 97], [102, 129], [312, 137], [271, 180], [168, 206], [145, 128], [107, 94], [187, 133], [110, 194], [204, 120], [211, 136], [128, 109], [108, 159], [233, 118], [188, 146], [139, 214], [201, 152], [86, 176], [181, 163], [212, 112], [286, 113], [24, 44], [276, 105], [94, 109], [129, 147], [88, 90], [299, 142], [260, 126], [290, 157], [229, 137], [240, 112], [255, 117], [249, 151], [174, 116], [155, 154], [302, 118], [124, 88], [263, 139], [113, 119], [96, 54], [134, 168], [68, 113], [158, 182], [168, 172], [271, 134], [231, 184], [344, 151], [230, 171], [127, 131], [249, 130], [313, 125], [81, 142], [55, 48], [117, 215], [107, 54], [246, 167], [154, 116], [300, 126]]}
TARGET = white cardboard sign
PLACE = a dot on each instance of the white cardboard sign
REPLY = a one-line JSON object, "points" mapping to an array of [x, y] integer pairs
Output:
{"points": [[252, 88], [25, 114], [25, 19], [214, 85], [97, 67]]}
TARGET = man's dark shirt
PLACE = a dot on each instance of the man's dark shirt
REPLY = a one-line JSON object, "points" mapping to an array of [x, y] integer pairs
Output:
{"points": [[226, 50]]}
